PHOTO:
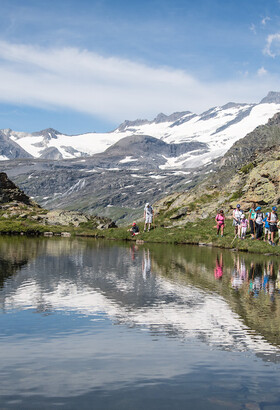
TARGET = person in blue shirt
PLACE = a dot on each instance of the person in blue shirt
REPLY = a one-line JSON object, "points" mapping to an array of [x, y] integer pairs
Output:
{"points": [[266, 228]]}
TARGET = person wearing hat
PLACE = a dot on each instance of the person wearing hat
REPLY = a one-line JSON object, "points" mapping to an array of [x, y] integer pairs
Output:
{"points": [[148, 216], [244, 225], [259, 216], [266, 228], [237, 213], [273, 219], [134, 230], [252, 214]]}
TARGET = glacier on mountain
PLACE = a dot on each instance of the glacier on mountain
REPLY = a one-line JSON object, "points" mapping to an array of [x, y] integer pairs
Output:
{"points": [[218, 128]]}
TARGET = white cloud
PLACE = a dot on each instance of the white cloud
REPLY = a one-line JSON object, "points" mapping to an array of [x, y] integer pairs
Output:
{"points": [[265, 20], [111, 87], [272, 47], [261, 72]]}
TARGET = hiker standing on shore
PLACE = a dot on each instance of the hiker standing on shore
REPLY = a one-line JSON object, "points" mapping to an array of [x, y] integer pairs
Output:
{"points": [[259, 216], [220, 219], [237, 213], [266, 228], [252, 216], [244, 225], [148, 216], [272, 220]]}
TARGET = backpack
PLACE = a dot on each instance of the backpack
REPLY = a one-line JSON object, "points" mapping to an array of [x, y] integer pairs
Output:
{"points": [[259, 217], [269, 216]]}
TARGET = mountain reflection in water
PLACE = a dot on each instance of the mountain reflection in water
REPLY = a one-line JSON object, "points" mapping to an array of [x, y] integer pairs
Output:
{"points": [[192, 297]]}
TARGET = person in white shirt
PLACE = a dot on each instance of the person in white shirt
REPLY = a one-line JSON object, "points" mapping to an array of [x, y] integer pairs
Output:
{"points": [[148, 216], [237, 214]]}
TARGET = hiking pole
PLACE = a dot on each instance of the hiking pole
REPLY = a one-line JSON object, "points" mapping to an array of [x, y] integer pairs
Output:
{"points": [[233, 239]]}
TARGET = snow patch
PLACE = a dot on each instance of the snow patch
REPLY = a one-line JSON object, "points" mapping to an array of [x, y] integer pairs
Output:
{"points": [[127, 159]]}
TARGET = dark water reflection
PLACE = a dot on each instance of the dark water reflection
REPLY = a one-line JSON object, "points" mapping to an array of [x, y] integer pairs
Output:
{"points": [[93, 324]]}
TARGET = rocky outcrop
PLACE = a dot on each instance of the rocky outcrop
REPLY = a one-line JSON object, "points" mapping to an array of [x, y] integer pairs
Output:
{"points": [[9, 192], [272, 97], [61, 217], [145, 145]]}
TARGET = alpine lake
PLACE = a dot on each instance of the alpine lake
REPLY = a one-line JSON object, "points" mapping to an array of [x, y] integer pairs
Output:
{"points": [[93, 324]]}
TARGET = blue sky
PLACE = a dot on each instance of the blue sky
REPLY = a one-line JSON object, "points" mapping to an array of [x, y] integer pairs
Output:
{"points": [[88, 65]]}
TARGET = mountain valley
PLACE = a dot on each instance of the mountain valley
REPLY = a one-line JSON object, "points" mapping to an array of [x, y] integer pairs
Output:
{"points": [[114, 174]]}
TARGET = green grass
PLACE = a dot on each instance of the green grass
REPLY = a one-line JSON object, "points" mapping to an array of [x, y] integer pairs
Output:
{"points": [[199, 232], [247, 168], [236, 195]]}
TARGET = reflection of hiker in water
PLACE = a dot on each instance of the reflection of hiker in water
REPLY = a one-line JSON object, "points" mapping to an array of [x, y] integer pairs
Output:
{"points": [[133, 249], [277, 281], [265, 278], [255, 279], [239, 274], [236, 281], [243, 271], [146, 263], [271, 280], [219, 271]]}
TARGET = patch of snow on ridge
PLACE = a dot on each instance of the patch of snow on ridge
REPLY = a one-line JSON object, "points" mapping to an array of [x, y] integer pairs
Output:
{"points": [[3, 158], [127, 159], [32, 145], [90, 143], [157, 176]]}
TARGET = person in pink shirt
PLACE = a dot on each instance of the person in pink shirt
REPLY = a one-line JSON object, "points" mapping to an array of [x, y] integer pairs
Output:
{"points": [[220, 219], [244, 225]]}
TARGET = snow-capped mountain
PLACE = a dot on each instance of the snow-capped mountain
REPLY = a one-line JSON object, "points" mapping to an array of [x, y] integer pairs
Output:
{"points": [[216, 130]]}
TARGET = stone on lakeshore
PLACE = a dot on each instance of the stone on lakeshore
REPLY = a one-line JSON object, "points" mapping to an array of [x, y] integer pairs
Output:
{"points": [[66, 234], [48, 233]]}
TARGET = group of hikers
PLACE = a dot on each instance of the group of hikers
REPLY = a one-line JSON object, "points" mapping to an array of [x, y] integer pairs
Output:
{"points": [[148, 220], [262, 225]]}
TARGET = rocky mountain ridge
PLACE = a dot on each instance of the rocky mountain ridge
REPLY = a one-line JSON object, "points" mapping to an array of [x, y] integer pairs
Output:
{"points": [[217, 128]]}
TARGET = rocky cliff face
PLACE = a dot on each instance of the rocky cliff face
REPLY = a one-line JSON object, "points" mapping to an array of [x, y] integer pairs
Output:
{"points": [[9, 192]]}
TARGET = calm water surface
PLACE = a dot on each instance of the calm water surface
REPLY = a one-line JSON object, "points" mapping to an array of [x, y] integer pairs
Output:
{"points": [[88, 324]]}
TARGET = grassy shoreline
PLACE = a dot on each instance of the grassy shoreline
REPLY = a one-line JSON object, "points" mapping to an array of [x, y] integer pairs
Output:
{"points": [[196, 233]]}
